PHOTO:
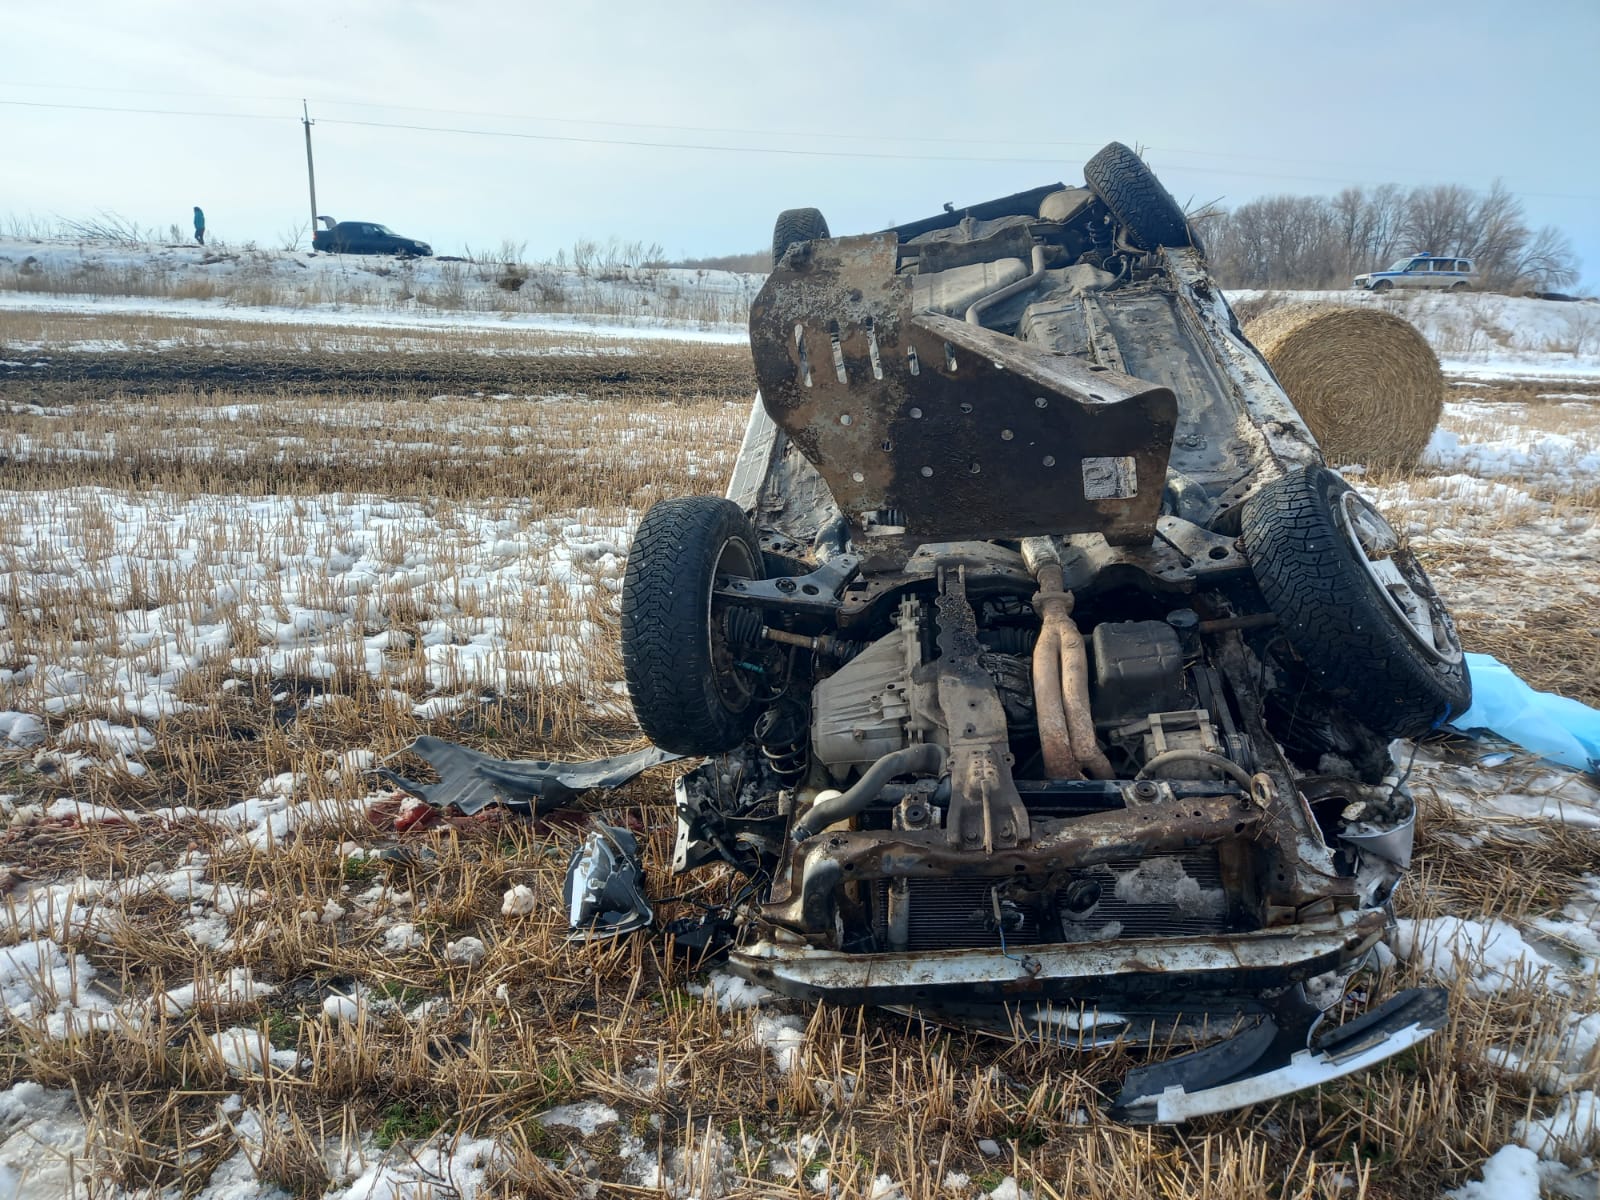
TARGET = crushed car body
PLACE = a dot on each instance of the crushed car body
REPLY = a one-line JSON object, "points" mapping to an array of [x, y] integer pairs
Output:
{"points": [[1043, 674]]}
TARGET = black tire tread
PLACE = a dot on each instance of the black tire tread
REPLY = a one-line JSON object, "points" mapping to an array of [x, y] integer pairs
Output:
{"points": [[1333, 615], [666, 657], [796, 225], [1136, 198]]}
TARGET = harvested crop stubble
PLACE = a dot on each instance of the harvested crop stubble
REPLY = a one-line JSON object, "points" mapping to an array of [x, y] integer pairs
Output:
{"points": [[1366, 382]]}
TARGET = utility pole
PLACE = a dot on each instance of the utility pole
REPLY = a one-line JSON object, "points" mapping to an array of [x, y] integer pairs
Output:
{"points": [[311, 173]]}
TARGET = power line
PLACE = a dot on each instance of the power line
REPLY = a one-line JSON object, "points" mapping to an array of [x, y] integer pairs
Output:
{"points": [[454, 112], [737, 131], [541, 137], [731, 130], [784, 151], [1054, 162], [155, 112], [594, 141], [127, 91]]}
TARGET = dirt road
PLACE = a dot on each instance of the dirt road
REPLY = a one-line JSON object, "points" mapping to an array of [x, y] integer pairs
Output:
{"points": [[662, 371]]}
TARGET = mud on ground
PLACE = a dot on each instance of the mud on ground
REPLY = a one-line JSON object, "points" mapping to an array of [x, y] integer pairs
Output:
{"points": [[659, 371]]}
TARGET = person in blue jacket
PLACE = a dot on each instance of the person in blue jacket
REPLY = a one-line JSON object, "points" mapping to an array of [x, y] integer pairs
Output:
{"points": [[199, 225]]}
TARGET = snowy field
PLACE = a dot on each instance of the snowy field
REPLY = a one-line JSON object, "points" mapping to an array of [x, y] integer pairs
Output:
{"points": [[226, 973], [1484, 336], [250, 283]]}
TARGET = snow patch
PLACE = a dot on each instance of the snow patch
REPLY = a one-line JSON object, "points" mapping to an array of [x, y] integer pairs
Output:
{"points": [[1512, 1173], [782, 1037], [1573, 1127], [1491, 955], [586, 1118], [519, 901], [730, 991], [249, 1052], [468, 951]]}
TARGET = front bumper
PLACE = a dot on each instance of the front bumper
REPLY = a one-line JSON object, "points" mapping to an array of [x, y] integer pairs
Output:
{"points": [[1242, 964], [1266, 1049], [1275, 1059]]}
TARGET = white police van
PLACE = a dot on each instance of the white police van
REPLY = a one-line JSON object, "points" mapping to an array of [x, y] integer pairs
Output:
{"points": [[1422, 271]]}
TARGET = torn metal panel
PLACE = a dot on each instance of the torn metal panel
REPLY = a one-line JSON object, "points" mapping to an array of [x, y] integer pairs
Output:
{"points": [[922, 415], [470, 780], [755, 458]]}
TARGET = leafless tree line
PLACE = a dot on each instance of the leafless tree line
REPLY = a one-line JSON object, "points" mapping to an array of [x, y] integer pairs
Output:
{"points": [[1321, 241]]}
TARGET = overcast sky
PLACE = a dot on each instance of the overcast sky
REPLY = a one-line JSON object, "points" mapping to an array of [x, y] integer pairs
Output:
{"points": [[897, 107]]}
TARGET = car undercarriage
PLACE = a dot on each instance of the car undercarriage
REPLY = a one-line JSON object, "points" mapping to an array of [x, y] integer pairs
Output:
{"points": [[1043, 674]]}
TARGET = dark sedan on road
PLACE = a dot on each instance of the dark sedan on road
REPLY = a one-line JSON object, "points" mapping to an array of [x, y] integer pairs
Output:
{"points": [[367, 237]]}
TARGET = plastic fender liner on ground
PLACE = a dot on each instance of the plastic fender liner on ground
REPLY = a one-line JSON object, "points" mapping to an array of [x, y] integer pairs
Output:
{"points": [[1401, 1023]]}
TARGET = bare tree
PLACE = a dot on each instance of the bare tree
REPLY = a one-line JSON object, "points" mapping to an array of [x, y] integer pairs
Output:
{"points": [[1388, 207], [1313, 241], [1280, 241], [1354, 214], [1547, 261], [1440, 218]]}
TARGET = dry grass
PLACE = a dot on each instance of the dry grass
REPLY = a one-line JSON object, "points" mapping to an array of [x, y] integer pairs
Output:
{"points": [[1555, 648], [1515, 553], [50, 331], [483, 1048], [540, 1022], [565, 452], [595, 281]]}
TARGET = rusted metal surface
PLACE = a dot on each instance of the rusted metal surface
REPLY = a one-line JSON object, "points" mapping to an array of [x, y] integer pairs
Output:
{"points": [[818, 866], [1059, 636], [1275, 436], [1240, 962], [965, 432], [985, 810]]}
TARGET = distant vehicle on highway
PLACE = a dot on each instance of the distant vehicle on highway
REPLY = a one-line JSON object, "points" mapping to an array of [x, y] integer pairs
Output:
{"points": [[1448, 273], [365, 237]]}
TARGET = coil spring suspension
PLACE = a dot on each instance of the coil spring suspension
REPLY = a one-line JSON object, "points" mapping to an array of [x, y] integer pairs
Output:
{"points": [[1100, 236], [784, 735]]}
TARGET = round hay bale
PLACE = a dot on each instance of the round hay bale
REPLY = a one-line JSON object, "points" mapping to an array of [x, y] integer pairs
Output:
{"points": [[1366, 382]]}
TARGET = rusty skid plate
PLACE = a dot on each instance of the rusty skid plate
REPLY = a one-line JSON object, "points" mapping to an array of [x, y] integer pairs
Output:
{"points": [[958, 431]]}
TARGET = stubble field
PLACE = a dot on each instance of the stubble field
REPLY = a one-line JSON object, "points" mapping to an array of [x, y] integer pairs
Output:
{"points": [[240, 569]]}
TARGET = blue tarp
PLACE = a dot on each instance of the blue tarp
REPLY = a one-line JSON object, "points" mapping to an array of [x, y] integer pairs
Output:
{"points": [[1550, 726]]}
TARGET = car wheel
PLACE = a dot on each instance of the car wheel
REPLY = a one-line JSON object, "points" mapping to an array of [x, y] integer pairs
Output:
{"points": [[680, 644], [1460, 287], [1383, 285], [796, 225], [1136, 199], [1355, 604]]}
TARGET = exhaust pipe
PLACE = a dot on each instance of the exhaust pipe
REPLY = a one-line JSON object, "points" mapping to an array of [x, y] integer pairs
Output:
{"points": [[975, 311], [1061, 674]]}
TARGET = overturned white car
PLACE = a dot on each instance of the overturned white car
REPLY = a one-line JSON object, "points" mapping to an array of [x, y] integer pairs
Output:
{"points": [[1043, 673]]}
